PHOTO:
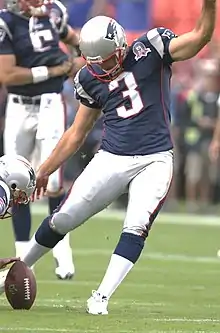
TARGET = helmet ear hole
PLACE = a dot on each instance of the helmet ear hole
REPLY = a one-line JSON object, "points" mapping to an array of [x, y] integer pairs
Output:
{"points": [[13, 186]]}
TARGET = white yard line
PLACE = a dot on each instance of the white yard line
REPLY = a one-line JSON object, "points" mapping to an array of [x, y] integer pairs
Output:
{"points": [[44, 329], [187, 320], [73, 330], [167, 218]]}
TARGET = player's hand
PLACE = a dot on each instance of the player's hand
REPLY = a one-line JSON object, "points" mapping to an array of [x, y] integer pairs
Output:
{"points": [[64, 69], [6, 261], [214, 150], [41, 185]]}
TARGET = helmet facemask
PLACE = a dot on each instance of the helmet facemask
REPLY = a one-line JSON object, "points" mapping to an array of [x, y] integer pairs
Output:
{"points": [[107, 75]]}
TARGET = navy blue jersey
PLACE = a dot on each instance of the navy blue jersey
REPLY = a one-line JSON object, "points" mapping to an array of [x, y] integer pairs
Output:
{"points": [[136, 105], [35, 42]]}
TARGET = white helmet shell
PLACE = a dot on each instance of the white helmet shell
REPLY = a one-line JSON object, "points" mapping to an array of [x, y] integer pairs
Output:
{"points": [[17, 172], [101, 37]]}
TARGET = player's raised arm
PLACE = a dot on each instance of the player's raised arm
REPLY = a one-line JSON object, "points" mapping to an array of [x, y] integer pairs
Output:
{"points": [[188, 45]]}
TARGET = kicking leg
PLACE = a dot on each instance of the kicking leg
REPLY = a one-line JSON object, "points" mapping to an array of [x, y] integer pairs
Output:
{"points": [[100, 183], [147, 192]]}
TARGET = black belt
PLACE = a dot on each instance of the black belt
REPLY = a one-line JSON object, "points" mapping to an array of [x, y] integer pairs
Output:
{"points": [[26, 100]]}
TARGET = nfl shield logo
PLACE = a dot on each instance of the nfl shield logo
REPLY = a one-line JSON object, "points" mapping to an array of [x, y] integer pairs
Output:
{"points": [[140, 50]]}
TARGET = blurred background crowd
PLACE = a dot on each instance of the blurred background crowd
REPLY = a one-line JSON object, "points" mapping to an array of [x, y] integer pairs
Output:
{"points": [[194, 103]]}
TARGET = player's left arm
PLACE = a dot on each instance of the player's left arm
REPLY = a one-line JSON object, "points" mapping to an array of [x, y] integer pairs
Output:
{"points": [[189, 44]]}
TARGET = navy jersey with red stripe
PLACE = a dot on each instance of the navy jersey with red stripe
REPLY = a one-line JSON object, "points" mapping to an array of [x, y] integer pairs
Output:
{"points": [[35, 42], [136, 105]]}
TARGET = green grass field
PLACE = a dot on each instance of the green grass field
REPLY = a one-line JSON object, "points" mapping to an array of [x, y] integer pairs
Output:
{"points": [[175, 287]]}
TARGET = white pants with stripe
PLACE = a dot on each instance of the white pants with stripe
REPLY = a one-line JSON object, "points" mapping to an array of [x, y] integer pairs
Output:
{"points": [[146, 179], [35, 128]]}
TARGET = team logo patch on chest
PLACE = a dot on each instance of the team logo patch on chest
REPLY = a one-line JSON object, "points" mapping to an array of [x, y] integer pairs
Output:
{"points": [[140, 50]]}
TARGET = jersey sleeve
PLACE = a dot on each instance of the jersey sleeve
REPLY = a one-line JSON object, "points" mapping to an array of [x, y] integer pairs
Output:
{"points": [[4, 198], [160, 39], [59, 18], [6, 46], [82, 95]]}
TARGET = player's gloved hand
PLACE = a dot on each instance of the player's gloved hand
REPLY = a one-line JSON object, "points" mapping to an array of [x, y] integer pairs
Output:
{"points": [[6, 261], [41, 185]]}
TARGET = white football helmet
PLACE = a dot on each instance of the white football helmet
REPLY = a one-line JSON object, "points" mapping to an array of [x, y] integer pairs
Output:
{"points": [[103, 39], [18, 174]]}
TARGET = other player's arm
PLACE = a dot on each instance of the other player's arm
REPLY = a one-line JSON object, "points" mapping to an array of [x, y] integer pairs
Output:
{"points": [[69, 143], [71, 39], [189, 44], [11, 74]]}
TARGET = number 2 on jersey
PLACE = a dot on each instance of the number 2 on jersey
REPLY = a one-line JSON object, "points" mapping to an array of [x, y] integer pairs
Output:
{"points": [[131, 92]]}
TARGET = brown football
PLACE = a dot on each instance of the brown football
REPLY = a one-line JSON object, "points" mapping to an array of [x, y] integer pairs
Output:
{"points": [[20, 286]]}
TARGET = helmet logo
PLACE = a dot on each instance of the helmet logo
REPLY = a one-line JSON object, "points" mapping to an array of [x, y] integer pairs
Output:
{"points": [[112, 32], [32, 182], [140, 50]]}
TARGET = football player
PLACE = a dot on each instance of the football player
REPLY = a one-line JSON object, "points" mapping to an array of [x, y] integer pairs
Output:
{"points": [[17, 184], [34, 68], [131, 87]]}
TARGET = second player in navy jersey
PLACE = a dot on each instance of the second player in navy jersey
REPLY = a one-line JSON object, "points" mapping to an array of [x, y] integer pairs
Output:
{"points": [[34, 68], [130, 85]]}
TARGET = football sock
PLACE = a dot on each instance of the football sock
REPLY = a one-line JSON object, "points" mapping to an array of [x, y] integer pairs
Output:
{"points": [[46, 236], [122, 260], [54, 202], [62, 252], [21, 220], [42, 242]]}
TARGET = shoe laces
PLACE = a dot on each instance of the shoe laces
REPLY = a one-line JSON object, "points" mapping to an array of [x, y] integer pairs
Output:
{"points": [[98, 297]]}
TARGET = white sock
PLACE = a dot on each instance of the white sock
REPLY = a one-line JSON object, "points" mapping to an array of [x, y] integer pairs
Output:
{"points": [[35, 252], [21, 248], [62, 252], [117, 270]]}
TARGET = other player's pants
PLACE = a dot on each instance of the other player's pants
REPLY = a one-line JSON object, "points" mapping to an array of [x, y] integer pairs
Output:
{"points": [[35, 123], [146, 178]]}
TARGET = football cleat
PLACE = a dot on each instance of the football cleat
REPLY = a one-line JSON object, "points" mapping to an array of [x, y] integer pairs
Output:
{"points": [[97, 304], [64, 272]]}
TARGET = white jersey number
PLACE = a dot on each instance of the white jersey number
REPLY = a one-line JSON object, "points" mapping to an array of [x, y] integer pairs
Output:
{"points": [[131, 92], [38, 38]]}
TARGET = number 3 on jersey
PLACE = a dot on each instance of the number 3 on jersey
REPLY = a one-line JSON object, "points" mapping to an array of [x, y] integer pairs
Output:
{"points": [[131, 92]]}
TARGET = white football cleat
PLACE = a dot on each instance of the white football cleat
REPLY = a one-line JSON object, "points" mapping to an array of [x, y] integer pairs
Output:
{"points": [[64, 273], [3, 275], [97, 304], [62, 254]]}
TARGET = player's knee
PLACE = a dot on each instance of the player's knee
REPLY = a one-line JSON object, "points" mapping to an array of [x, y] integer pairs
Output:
{"points": [[62, 223]]}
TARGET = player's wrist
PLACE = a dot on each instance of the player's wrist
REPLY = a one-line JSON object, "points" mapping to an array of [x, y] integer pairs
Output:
{"points": [[40, 74]]}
